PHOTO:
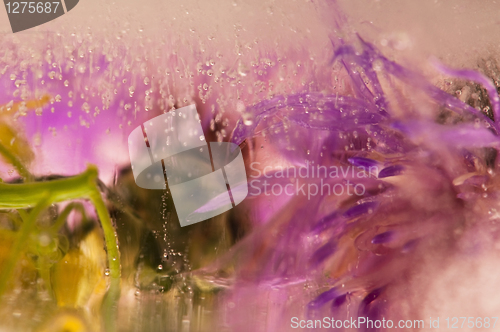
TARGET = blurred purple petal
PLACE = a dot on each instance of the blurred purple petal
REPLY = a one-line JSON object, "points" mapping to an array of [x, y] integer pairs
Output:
{"points": [[339, 301], [361, 209], [383, 237], [363, 162], [390, 171], [463, 135], [323, 253], [325, 222], [323, 299], [372, 296], [477, 77]]}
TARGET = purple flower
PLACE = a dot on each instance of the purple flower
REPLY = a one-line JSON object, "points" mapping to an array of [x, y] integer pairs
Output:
{"points": [[365, 247]]}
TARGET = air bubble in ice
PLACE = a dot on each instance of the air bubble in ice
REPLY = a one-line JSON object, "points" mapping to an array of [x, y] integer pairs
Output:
{"points": [[81, 68]]}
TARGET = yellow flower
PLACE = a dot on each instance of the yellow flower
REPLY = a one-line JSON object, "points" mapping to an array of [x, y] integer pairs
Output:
{"points": [[65, 322], [78, 276]]}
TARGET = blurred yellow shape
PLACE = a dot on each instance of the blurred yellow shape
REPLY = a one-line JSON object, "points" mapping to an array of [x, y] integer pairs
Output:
{"points": [[14, 148], [67, 277], [25, 106], [79, 273], [14, 143], [65, 322], [6, 240]]}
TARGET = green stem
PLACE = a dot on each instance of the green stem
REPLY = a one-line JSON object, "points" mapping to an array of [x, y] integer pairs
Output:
{"points": [[61, 219], [22, 196], [44, 268], [110, 302]]}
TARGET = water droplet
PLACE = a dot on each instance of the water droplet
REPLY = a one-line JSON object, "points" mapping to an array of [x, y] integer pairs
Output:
{"points": [[242, 69], [86, 108], [247, 119], [18, 83], [81, 68]]}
